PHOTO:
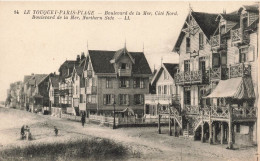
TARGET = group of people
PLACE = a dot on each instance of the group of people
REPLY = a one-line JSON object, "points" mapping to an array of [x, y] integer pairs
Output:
{"points": [[25, 132]]}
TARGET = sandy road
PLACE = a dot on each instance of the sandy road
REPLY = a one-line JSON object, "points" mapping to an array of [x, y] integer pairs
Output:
{"points": [[151, 145]]}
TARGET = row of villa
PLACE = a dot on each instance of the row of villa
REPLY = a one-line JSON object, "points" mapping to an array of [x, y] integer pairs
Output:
{"points": [[211, 95]]}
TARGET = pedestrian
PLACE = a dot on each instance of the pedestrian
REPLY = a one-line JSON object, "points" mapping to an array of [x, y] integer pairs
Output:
{"points": [[56, 131], [83, 119], [22, 132]]}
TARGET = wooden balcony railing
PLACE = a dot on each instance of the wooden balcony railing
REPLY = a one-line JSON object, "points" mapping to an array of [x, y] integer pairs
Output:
{"points": [[124, 72], [192, 77], [233, 71], [192, 110], [239, 36], [161, 98]]}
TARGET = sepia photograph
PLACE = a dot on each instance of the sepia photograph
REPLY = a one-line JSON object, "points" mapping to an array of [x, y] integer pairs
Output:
{"points": [[129, 80]]}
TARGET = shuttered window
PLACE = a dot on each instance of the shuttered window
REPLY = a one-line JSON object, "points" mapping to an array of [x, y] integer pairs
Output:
{"points": [[216, 60], [139, 99], [124, 83], [124, 99]]}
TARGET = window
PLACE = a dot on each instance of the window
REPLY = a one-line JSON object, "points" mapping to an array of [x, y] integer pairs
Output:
{"points": [[109, 99], [201, 41], [187, 96], [216, 60], [124, 83], [186, 65], [138, 83], [109, 83], [76, 89], [159, 89], [81, 98], [187, 45], [87, 83], [202, 63], [245, 22], [166, 76], [238, 128], [223, 58], [139, 99], [222, 29], [124, 99], [124, 66], [165, 89], [243, 55], [171, 89]]}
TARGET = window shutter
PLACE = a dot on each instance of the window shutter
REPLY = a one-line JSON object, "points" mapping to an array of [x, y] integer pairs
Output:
{"points": [[142, 99], [135, 83], [127, 83], [251, 53], [112, 98], [119, 99], [143, 85], [104, 99], [127, 66], [237, 55], [135, 99], [127, 99], [119, 83]]}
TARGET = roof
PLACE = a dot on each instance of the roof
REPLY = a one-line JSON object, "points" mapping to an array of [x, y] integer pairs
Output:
{"points": [[251, 8], [27, 78], [237, 88], [79, 70], [37, 78], [55, 81], [231, 17], [101, 62], [68, 64], [206, 22], [171, 69]]}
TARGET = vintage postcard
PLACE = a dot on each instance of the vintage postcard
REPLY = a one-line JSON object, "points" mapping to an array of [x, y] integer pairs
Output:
{"points": [[133, 80]]}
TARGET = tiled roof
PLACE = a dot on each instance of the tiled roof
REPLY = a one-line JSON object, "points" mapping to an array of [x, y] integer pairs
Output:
{"points": [[37, 78], [251, 8], [206, 22], [101, 62], [27, 78], [231, 17], [69, 64], [171, 68]]}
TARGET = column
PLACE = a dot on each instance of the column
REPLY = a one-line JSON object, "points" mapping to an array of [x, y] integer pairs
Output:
{"points": [[202, 132], [170, 126], [188, 128], [222, 133], [230, 131], [174, 127], [214, 133], [159, 126]]}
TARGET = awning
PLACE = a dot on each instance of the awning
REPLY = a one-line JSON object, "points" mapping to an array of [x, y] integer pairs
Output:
{"points": [[237, 88], [127, 110]]}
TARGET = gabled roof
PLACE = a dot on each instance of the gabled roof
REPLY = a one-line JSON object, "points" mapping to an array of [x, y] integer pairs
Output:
{"points": [[37, 78], [55, 81], [206, 22], [69, 64], [101, 62], [250, 8], [171, 69], [231, 17], [26, 78], [122, 51]]}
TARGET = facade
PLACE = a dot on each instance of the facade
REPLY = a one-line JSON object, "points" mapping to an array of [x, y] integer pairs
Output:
{"points": [[115, 79], [217, 77], [166, 90], [53, 88]]}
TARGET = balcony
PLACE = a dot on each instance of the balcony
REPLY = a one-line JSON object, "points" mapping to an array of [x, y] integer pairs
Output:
{"points": [[233, 71], [161, 98], [239, 36], [88, 73], [218, 42], [124, 72], [192, 77], [91, 90]]}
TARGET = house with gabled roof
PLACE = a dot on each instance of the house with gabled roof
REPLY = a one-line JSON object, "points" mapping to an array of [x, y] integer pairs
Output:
{"points": [[116, 79], [53, 88], [166, 90], [217, 77]]}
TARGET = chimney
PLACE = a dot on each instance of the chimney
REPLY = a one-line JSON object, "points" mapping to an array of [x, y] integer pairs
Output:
{"points": [[78, 58], [32, 74], [82, 56]]}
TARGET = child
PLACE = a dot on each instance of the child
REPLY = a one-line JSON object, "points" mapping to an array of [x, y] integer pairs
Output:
{"points": [[56, 130]]}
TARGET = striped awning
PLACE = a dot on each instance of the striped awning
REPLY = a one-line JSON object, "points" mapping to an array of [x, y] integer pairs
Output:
{"points": [[236, 88]]}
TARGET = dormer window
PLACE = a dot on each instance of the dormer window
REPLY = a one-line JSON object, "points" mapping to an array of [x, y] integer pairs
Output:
{"points": [[124, 66], [245, 22]]}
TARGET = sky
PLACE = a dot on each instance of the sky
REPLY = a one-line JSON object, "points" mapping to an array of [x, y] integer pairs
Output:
{"points": [[41, 46]]}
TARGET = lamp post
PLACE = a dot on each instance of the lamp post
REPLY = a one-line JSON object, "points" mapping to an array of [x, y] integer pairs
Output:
{"points": [[114, 121]]}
